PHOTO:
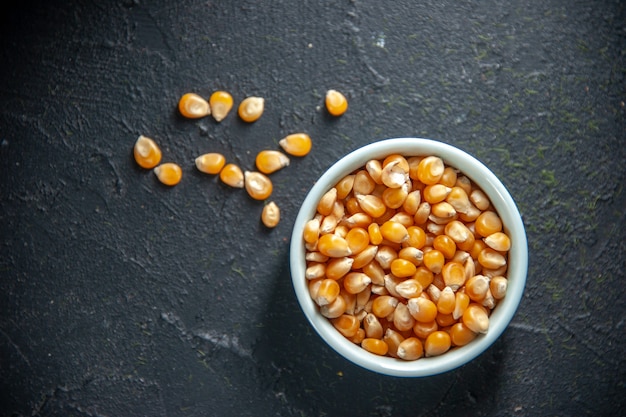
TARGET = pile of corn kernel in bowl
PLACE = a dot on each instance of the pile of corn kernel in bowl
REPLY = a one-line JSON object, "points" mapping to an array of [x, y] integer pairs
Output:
{"points": [[258, 185], [406, 257]]}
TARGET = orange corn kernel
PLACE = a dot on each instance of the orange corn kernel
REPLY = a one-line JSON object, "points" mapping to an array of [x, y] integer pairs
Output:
{"points": [[192, 106], [221, 103], [375, 346], [210, 163], [169, 173], [232, 175], [336, 103], [251, 109], [269, 161], [437, 342], [258, 185], [146, 152], [296, 144]]}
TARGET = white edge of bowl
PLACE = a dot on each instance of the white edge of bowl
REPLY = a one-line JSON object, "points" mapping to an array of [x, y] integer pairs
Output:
{"points": [[518, 256]]}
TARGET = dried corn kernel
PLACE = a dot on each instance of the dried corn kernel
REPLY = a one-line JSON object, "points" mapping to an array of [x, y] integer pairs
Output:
{"points": [[221, 103], [192, 106], [437, 343], [296, 144], [461, 335], [146, 152], [422, 309], [347, 325], [232, 175], [393, 340], [251, 109], [476, 318], [336, 103], [210, 163], [269, 161], [258, 185], [169, 173], [270, 215], [375, 346], [333, 246], [430, 170]]}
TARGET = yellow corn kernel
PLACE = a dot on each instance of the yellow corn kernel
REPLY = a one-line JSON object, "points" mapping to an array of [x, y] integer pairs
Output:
{"points": [[147, 153], [498, 241], [350, 300], [459, 232], [421, 215], [344, 186], [446, 301], [358, 336], [442, 212], [395, 197], [192, 106], [270, 215], [315, 270], [412, 202], [437, 343], [480, 199], [488, 223], [491, 259], [409, 288], [402, 268], [430, 170], [338, 267], [376, 237], [394, 232], [453, 274], [476, 318], [498, 286], [434, 260], [358, 239], [422, 309], [424, 276], [315, 257], [169, 173], [477, 248], [311, 230], [385, 255], [398, 159], [423, 329], [336, 103], [232, 175], [269, 161], [448, 178], [465, 183], [371, 204], [221, 103], [394, 175], [461, 335], [384, 305], [411, 254], [363, 183], [375, 169], [393, 340], [476, 287], [327, 202], [251, 109], [391, 282], [375, 272], [462, 300], [333, 246], [436, 193], [364, 257], [417, 237], [375, 346], [372, 326], [210, 163], [352, 206], [358, 220], [458, 199], [445, 320], [296, 144], [258, 185], [346, 324], [327, 292], [402, 319], [334, 309], [445, 244]]}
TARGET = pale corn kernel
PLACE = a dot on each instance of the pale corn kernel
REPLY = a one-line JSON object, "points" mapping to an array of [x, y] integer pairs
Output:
{"points": [[411, 254], [445, 245], [258, 185], [375, 272], [221, 103], [333, 246], [232, 175], [403, 268], [375, 169], [363, 183], [316, 257], [385, 255], [339, 210], [193, 106], [453, 274], [269, 161], [384, 305], [423, 329], [395, 197], [169, 173], [402, 319], [480, 199], [372, 326], [146, 152], [391, 282], [459, 200], [461, 303], [393, 340], [344, 186], [476, 318], [358, 239], [334, 309], [409, 288], [422, 309], [371, 204], [313, 286], [412, 202], [210, 163], [364, 257], [433, 291], [469, 266], [346, 324], [461, 335], [376, 237], [251, 108], [436, 193], [403, 218], [379, 290], [490, 273], [311, 230], [465, 183], [336, 103], [498, 286], [430, 170], [327, 202], [421, 215], [491, 259], [394, 175], [414, 162], [470, 215], [447, 301], [315, 270], [476, 287], [394, 232], [434, 260], [327, 292], [296, 144], [355, 282], [338, 267], [437, 343], [350, 300], [358, 220], [489, 301], [488, 223], [498, 241], [375, 346], [363, 298], [270, 216], [461, 235]]}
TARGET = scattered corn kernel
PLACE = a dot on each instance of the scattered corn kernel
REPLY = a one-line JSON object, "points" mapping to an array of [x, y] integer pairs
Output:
{"points": [[258, 185], [269, 161], [221, 102], [251, 109], [296, 144], [270, 215], [336, 103], [210, 163], [147, 153], [193, 106], [232, 175], [169, 173]]}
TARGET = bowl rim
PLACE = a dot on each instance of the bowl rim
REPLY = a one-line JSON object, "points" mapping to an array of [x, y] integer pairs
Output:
{"points": [[501, 200]]}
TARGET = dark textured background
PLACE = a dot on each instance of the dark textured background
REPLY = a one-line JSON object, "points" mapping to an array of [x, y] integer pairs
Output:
{"points": [[122, 297]]}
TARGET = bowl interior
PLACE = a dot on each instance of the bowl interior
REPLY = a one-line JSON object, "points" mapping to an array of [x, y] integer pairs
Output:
{"points": [[513, 226]]}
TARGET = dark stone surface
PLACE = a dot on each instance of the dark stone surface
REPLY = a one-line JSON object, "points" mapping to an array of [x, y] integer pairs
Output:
{"points": [[121, 297]]}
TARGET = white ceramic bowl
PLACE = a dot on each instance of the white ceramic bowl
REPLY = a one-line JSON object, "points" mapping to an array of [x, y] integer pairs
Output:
{"points": [[504, 205]]}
